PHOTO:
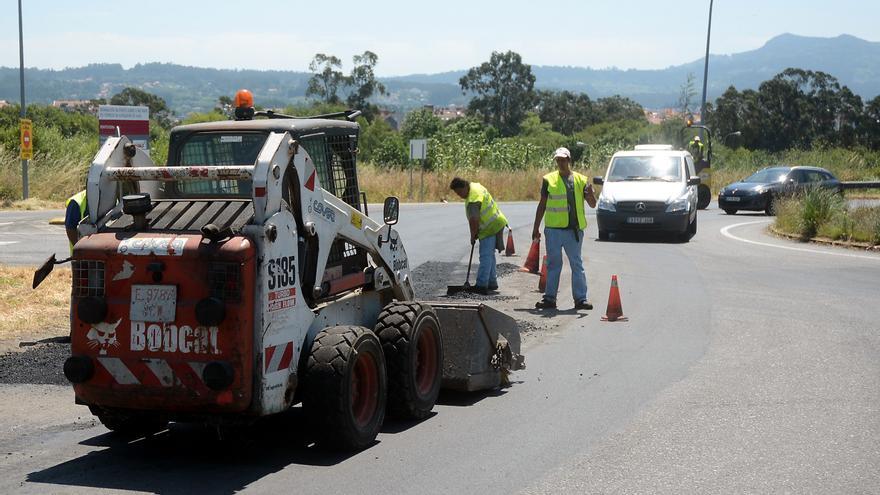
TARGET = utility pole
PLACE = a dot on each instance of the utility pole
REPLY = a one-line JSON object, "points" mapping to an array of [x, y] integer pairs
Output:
{"points": [[706, 68], [24, 162]]}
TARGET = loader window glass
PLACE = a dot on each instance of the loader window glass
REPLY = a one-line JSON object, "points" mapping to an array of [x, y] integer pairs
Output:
{"points": [[218, 149]]}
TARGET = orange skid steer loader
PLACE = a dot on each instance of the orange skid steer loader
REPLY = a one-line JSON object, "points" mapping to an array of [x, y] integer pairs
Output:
{"points": [[245, 277]]}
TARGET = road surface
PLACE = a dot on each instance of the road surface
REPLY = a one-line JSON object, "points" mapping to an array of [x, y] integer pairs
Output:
{"points": [[749, 364]]}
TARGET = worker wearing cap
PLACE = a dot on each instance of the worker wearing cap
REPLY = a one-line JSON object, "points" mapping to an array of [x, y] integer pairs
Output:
{"points": [[77, 207], [696, 147], [486, 224], [561, 207]]}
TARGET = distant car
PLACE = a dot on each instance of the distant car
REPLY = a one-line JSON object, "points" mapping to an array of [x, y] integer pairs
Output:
{"points": [[649, 189], [759, 191]]}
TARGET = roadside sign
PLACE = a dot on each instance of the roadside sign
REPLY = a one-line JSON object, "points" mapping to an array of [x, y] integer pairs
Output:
{"points": [[27, 139], [133, 122], [418, 149]]}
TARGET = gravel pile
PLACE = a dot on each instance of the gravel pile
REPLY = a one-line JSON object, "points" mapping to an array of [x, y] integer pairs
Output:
{"points": [[41, 364]]}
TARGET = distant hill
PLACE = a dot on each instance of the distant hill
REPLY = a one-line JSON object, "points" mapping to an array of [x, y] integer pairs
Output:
{"points": [[855, 62]]}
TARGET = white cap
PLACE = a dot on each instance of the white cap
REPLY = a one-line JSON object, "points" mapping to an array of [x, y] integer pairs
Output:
{"points": [[562, 152]]}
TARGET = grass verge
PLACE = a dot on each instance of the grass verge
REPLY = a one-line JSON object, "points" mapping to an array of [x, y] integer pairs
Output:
{"points": [[825, 214], [28, 314]]}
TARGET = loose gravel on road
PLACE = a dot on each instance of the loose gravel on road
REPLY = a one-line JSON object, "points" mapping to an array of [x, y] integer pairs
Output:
{"points": [[41, 364]]}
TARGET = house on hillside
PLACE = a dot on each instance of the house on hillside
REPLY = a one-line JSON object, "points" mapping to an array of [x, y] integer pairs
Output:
{"points": [[75, 105]]}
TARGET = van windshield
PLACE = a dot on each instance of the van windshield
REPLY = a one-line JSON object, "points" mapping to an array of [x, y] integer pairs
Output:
{"points": [[645, 168], [216, 149]]}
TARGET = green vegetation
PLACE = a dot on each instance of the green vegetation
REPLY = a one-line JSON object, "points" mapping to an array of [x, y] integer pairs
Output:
{"points": [[505, 145], [824, 214]]}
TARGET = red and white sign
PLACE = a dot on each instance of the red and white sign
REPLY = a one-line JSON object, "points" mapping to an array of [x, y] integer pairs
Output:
{"points": [[132, 122]]}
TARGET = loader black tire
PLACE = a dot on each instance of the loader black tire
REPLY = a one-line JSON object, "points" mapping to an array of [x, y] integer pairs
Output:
{"points": [[129, 422], [346, 387], [413, 346]]}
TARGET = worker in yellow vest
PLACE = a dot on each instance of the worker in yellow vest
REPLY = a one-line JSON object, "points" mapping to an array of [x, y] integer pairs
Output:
{"points": [[561, 207], [486, 224], [77, 208]]}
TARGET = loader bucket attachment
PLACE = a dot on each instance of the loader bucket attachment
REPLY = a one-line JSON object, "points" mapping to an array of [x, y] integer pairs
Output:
{"points": [[481, 345]]}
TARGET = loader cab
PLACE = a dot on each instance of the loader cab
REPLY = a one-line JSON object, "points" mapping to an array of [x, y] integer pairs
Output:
{"points": [[332, 146]]}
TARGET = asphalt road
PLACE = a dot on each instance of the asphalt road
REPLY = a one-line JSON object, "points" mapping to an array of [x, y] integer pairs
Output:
{"points": [[749, 364]]}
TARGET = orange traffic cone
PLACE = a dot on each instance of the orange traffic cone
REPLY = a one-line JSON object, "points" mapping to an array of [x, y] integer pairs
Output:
{"points": [[531, 264], [509, 250], [542, 282], [615, 310]]}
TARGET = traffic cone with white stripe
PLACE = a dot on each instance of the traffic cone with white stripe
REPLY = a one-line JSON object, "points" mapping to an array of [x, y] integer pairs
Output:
{"points": [[509, 250], [614, 312]]}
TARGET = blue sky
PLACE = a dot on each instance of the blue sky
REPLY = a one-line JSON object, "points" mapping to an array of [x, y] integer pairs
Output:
{"points": [[412, 37]]}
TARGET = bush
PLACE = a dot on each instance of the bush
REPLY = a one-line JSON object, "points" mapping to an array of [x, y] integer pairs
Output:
{"points": [[818, 207]]}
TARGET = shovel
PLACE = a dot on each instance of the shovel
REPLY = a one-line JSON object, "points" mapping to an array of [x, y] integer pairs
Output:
{"points": [[455, 289]]}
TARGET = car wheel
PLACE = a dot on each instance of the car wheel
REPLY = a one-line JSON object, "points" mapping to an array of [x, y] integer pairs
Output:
{"points": [[770, 209], [730, 211]]}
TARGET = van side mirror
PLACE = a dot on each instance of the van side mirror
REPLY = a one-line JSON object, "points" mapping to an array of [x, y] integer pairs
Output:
{"points": [[391, 210], [598, 181], [694, 181]]}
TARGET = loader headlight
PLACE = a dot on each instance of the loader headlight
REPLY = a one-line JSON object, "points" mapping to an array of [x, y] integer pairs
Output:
{"points": [[78, 369], [218, 375]]}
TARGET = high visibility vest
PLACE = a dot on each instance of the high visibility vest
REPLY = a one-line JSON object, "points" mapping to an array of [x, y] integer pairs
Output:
{"points": [[556, 212], [491, 218], [80, 199]]}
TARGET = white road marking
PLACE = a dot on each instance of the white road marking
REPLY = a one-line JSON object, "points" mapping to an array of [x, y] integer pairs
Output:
{"points": [[2, 224], [5, 243], [726, 233]]}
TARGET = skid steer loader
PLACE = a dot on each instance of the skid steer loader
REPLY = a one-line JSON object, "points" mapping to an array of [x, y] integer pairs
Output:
{"points": [[245, 277]]}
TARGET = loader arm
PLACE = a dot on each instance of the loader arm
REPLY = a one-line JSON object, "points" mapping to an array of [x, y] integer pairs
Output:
{"points": [[327, 217]]}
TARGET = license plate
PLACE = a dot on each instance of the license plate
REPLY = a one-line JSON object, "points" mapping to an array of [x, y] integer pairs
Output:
{"points": [[154, 303], [733, 199], [640, 220]]}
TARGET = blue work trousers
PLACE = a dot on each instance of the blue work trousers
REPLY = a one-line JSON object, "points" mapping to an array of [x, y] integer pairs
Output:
{"points": [[571, 241], [486, 276]]}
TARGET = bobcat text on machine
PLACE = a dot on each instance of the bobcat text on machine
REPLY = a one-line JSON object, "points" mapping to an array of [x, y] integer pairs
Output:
{"points": [[245, 277]]}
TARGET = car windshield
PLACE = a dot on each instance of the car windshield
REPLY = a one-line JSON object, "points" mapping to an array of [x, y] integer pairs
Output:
{"points": [[216, 149], [647, 168], [768, 175]]}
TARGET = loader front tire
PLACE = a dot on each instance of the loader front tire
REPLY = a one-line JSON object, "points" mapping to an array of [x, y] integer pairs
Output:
{"points": [[411, 340], [346, 387]]}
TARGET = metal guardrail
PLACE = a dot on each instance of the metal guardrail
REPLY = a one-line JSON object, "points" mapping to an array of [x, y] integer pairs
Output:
{"points": [[860, 184]]}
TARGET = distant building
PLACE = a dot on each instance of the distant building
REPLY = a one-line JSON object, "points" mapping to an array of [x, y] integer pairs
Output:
{"points": [[448, 113], [389, 118], [75, 105]]}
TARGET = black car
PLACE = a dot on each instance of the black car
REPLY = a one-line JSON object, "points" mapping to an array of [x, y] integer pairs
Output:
{"points": [[758, 191]]}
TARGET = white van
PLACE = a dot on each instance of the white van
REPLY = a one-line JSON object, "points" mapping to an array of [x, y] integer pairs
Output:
{"points": [[650, 189]]}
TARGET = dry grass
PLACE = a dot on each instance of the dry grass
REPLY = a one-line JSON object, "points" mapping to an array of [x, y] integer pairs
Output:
{"points": [[27, 314], [522, 185], [31, 204]]}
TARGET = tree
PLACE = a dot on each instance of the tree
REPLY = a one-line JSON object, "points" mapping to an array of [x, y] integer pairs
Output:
{"points": [[872, 123], [421, 123], [504, 89], [159, 110], [363, 84], [326, 79], [687, 94], [617, 107], [565, 111]]}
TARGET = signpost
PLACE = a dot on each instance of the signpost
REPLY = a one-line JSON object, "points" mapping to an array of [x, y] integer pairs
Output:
{"points": [[27, 139], [130, 121], [418, 150]]}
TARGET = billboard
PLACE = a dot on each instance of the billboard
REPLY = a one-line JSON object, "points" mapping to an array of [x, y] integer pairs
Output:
{"points": [[132, 122]]}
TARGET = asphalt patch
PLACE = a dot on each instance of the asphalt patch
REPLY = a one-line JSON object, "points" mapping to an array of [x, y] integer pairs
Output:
{"points": [[42, 365]]}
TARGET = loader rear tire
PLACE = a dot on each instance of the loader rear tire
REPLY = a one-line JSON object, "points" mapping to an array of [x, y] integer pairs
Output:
{"points": [[411, 339], [346, 387], [129, 422]]}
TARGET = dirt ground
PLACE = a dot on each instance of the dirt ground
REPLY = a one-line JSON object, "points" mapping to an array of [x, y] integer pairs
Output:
{"points": [[29, 315]]}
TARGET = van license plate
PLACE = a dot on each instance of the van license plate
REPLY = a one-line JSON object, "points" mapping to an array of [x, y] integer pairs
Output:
{"points": [[154, 303], [640, 220]]}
